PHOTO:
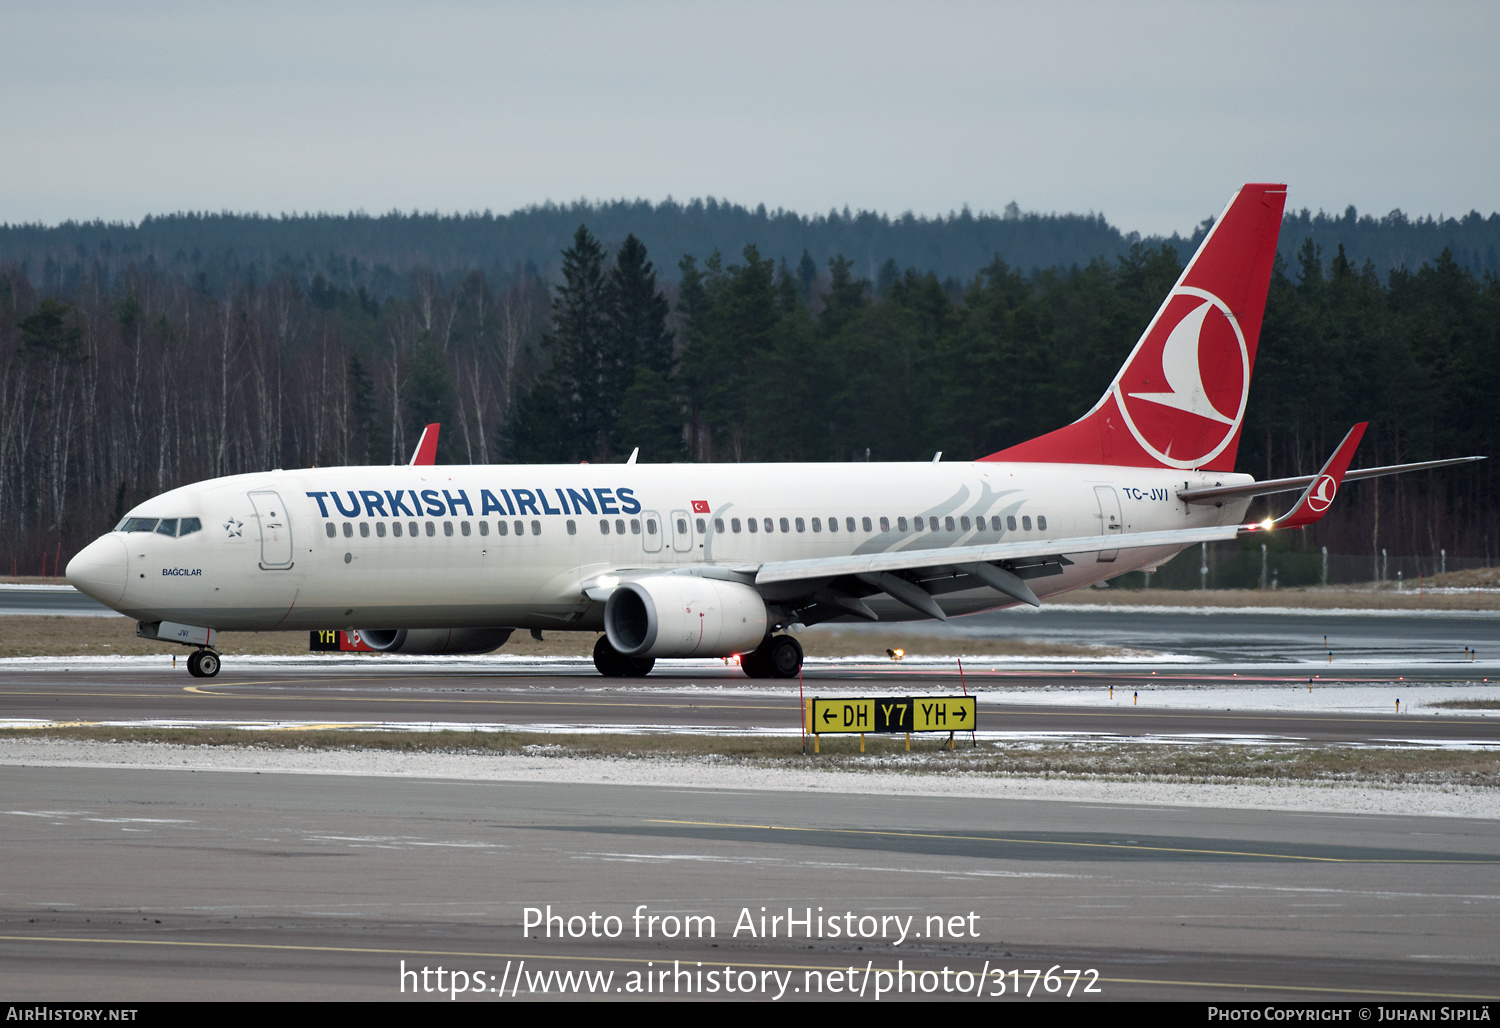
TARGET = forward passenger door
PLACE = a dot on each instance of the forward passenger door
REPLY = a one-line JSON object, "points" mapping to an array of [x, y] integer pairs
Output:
{"points": [[275, 530]]}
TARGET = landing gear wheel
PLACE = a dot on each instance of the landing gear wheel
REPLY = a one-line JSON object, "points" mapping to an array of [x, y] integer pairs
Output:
{"points": [[778, 656], [613, 664], [609, 662], [785, 657], [757, 663], [203, 663]]}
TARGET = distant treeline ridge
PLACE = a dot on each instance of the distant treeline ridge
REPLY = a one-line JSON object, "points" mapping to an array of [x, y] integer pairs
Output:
{"points": [[379, 252]]}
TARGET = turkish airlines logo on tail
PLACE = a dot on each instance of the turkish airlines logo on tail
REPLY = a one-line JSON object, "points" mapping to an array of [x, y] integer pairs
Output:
{"points": [[1322, 493], [1184, 390]]}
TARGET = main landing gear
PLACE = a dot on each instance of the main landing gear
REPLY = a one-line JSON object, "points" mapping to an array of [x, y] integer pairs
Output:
{"points": [[778, 656], [203, 663], [613, 664]]}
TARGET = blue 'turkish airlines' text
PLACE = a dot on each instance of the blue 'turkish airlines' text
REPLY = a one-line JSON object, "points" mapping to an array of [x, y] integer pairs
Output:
{"points": [[410, 503]]}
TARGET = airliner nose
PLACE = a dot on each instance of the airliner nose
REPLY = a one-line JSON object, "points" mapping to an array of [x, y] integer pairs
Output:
{"points": [[100, 570]]}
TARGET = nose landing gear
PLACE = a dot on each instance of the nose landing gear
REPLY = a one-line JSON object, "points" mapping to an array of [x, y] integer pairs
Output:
{"points": [[203, 663]]}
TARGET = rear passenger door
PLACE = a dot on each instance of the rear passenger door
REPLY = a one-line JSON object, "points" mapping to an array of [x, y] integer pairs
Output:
{"points": [[1110, 521]]}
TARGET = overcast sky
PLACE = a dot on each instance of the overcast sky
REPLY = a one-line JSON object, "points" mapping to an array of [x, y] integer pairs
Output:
{"points": [[1151, 113]]}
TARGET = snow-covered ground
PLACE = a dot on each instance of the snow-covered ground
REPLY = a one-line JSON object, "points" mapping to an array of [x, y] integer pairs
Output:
{"points": [[1298, 697], [1155, 681], [1433, 801]]}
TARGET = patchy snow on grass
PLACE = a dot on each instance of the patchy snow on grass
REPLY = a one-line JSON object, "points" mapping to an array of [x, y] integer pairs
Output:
{"points": [[1434, 801]]}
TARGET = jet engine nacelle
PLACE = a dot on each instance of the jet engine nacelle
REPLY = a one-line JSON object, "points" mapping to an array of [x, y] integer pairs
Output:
{"points": [[434, 640], [684, 616]]}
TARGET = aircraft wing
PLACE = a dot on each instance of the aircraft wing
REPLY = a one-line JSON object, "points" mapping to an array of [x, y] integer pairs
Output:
{"points": [[908, 575], [1032, 551], [838, 582]]}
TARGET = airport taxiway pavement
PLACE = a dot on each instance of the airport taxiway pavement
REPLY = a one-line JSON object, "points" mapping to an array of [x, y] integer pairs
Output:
{"points": [[191, 883], [189, 880]]}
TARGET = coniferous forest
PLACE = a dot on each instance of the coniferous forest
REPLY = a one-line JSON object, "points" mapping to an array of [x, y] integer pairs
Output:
{"points": [[124, 373]]}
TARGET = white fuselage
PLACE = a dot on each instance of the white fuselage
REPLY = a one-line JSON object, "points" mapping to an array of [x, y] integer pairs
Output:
{"points": [[319, 548]]}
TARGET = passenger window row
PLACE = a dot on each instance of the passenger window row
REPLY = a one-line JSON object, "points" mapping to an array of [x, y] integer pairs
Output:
{"points": [[430, 528], [618, 526], [918, 524]]}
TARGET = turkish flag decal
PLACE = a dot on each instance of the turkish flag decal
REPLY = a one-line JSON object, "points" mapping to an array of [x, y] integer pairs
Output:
{"points": [[700, 506]]}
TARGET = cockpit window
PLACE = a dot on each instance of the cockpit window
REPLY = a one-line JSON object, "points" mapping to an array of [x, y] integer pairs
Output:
{"points": [[162, 526]]}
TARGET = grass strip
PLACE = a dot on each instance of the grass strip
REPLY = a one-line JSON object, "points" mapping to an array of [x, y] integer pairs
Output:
{"points": [[1090, 760]]}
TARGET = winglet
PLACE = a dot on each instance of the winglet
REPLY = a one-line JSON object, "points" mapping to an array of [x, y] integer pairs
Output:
{"points": [[426, 451], [1318, 496]]}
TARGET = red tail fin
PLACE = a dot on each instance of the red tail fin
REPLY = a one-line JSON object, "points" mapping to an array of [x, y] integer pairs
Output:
{"points": [[1179, 401]]}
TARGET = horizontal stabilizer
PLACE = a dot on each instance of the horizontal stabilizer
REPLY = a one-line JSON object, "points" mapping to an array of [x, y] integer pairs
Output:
{"points": [[1220, 493]]}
